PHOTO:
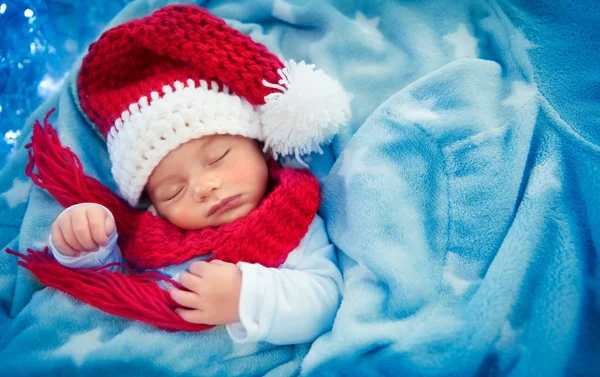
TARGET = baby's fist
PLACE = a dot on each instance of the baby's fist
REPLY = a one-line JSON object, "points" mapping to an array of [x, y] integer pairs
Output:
{"points": [[83, 227]]}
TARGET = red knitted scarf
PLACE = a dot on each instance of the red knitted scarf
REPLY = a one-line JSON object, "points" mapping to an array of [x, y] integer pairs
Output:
{"points": [[265, 236]]}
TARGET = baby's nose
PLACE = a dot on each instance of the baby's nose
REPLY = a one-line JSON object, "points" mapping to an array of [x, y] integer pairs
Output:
{"points": [[203, 188]]}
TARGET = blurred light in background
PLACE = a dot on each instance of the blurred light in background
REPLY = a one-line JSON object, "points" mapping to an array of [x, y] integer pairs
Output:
{"points": [[39, 42]]}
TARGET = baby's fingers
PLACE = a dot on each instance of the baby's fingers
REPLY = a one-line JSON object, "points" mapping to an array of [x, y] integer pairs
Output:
{"points": [[81, 230], [59, 242], [109, 225], [97, 219], [192, 316], [65, 224], [185, 298]]}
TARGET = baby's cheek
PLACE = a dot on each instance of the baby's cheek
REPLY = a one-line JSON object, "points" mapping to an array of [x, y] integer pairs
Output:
{"points": [[188, 216], [177, 213], [239, 170], [249, 174]]}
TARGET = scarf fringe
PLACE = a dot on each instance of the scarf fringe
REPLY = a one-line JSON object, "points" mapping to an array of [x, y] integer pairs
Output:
{"points": [[135, 296], [60, 172]]}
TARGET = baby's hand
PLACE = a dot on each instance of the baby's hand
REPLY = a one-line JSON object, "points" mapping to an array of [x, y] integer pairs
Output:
{"points": [[215, 293], [82, 228]]}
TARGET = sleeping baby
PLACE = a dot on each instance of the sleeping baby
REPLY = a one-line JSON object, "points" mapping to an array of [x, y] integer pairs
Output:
{"points": [[195, 114]]}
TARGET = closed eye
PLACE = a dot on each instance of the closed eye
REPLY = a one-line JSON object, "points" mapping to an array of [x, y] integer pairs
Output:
{"points": [[174, 195], [220, 158]]}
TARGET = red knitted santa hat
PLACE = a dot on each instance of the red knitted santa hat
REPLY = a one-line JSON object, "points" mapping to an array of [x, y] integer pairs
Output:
{"points": [[181, 73]]}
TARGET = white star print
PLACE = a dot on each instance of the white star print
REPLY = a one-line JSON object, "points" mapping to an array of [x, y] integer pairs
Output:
{"points": [[353, 164], [283, 11], [368, 29], [459, 285], [507, 344], [518, 38], [80, 346], [18, 194], [508, 338], [543, 179], [368, 25], [417, 112], [521, 93], [465, 45]]}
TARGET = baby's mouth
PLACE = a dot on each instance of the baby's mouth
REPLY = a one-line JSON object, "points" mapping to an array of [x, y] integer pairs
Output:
{"points": [[225, 205]]}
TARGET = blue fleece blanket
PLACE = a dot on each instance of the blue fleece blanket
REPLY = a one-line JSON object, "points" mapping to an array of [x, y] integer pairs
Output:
{"points": [[464, 199]]}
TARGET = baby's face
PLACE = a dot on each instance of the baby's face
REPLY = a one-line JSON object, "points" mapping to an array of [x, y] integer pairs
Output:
{"points": [[209, 181]]}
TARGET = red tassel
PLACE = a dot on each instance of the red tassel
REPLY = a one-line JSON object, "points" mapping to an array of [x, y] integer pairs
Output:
{"points": [[133, 296], [61, 173], [137, 296]]}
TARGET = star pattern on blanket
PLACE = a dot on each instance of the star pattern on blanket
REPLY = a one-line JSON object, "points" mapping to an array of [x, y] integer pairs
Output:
{"points": [[368, 25], [465, 44], [369, 31], [519, 39], [283, 11], [521, 94], [18, 194], [414, 111], [507, 344], [78, 347], [353, 163], [458, 284], [543, 179]]}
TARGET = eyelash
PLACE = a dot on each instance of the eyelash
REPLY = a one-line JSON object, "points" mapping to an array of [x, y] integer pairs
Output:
{"points": [[220, 158], [173, 197], [212, 163]]}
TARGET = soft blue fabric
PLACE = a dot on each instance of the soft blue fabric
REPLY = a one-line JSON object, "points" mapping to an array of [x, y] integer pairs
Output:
{"points": [[464, 202]]}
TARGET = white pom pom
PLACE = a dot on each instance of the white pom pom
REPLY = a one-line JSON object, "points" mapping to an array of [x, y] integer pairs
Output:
{"points": [[306, 112]]}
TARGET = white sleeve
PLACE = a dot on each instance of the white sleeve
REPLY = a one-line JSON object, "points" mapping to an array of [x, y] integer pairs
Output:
{"points": [[295, 303], [104, 255]]}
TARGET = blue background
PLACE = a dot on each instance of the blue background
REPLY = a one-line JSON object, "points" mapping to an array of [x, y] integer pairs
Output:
{"points": [[39, 41]]}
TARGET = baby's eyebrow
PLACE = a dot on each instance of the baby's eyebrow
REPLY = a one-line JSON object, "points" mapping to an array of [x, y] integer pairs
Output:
{"points": [[207, 144], [201, 150], [204, 150]]}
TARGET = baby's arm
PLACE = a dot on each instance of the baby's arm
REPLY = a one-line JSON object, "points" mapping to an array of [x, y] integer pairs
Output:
{"points": [[84, 236], [295, 303]]}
